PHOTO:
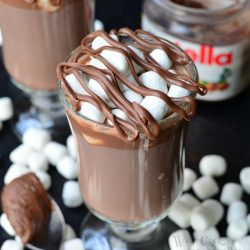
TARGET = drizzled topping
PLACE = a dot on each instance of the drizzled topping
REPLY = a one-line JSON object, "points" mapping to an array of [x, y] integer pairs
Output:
{"points": [[47, 5], [130, 80]]}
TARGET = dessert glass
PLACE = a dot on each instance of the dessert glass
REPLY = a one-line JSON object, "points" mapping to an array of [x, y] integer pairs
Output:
{"points": [[129, 186], [35, 39]]}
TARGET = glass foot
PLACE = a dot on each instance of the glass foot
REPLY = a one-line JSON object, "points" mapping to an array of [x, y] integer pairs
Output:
{"points": [[98, 235]]}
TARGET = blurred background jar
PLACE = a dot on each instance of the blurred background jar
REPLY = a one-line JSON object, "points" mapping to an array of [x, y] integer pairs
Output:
{"points": [[215, 34]]}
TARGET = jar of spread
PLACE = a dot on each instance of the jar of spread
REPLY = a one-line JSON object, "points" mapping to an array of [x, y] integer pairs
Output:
{"points": [[215, 34]]}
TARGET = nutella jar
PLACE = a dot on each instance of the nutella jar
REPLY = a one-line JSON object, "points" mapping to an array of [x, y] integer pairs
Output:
{"points": [[215, 34]]}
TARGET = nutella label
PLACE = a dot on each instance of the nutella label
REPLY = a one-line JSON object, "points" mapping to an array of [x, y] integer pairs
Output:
{"points": [[223, 69]]}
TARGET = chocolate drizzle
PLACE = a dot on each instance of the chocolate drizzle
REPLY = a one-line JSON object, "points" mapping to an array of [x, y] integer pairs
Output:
{"points": [[139, 118]]}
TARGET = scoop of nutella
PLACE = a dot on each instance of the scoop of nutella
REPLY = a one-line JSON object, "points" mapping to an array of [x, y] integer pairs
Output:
{"points": [[27, 206], [131, 81], [46, 5]]}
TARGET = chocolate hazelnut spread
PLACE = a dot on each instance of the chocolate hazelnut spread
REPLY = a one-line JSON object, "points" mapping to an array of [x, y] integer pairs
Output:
{"points": [[27, 206]]}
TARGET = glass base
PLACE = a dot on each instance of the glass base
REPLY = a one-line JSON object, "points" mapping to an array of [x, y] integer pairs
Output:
{"points": [[98, 235]]}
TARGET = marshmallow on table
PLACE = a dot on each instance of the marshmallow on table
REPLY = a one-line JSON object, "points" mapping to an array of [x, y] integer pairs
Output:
{"points": [[54, 152], [69, 233], [44, 178], [36, 138], [91, 112], [71, 194], [12, 245], [153, 80], [71, 145], [74, 244], [237, 229], [132, 96], [161, 57], [155, 106], [68, 168], [245, 179], [206, 215], [189, 200], [189, 177], [180, 240], [231, 192], [6, 109], [15, 171], [5, 224], [75, 84], [98, 25], [208, 237], [205, 187], [224, 244], [242, 244], [20, 155], [213, 165], [197, 245], [236, 210], [38, 161]]}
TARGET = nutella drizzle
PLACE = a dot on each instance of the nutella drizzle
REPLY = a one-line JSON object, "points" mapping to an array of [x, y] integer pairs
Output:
{"points": [[139, 118]]}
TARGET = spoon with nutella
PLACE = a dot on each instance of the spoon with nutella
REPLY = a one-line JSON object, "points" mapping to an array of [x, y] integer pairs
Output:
{"points": [[34, 216]]}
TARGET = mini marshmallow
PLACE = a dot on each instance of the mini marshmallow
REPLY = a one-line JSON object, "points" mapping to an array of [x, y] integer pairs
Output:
{"points": [[189, 177], [74, 244], [69, 233], [236, 210], [124, 87], [237, 229], [231, 192], [180, 240], [120, 114], [213, 165], [242, 244], [96, 87], [68, 168], [205, 187], [6, 109], [75, 84], [208, 237], [206, 215], [96, 63], [71, 194], [15, 171], [44, 178], [132, 96], [54, 152], [91, 112], [197, 245], [12, 245], [161, 57], [98, 25], [5, 224], [177, 91], [20, 155], [224, 244], [153, 80], [155, 106], [71, 145], [189, 200], [140, 54], [36, 138], [38, 161], [245, 179], [101, 42]]}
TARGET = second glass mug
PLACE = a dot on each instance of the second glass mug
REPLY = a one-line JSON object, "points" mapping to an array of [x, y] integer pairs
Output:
{"points": [[128, 185], [36, 37]]}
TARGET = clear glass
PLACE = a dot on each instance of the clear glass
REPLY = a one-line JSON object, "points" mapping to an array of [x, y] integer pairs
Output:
{"points": [[129, 185], [35, 40]]}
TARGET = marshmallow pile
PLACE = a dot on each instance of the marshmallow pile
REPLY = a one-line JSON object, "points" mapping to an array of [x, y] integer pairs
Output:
{"points": [[6, 110], [203, 211]]}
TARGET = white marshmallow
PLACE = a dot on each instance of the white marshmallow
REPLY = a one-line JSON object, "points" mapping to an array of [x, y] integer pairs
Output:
{"points": [[205, 187], [101, 42], [208, 237], [213, 165], [231, 192], [116, 59], [189, 177], [242, 244], [96, 87], [71, 145], [132, 96], [12, 245], [236, 210], [15, 171], [75, 84], [177, 91], [224, 244], [6, 109], [120, 114], [197, 245], [180, 240], [98, 25], [237, 229], [96, 63], [206, 215], [245, 179], [74, 244], [68, 168], [71, 194], [69, 233], [5, 224], [36, 138], [124, 87], [44, 178], [20, 155], [54, 152], [189, 200], [140, 54], [91, 112], [155, 106], [161, 57], [38, 161]]}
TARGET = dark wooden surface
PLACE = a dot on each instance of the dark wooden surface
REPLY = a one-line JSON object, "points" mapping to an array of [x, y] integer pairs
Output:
{"points": [[221, 128]]}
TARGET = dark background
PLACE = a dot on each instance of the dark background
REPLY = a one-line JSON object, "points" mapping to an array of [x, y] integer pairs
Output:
{"points": [[220, 128]]}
